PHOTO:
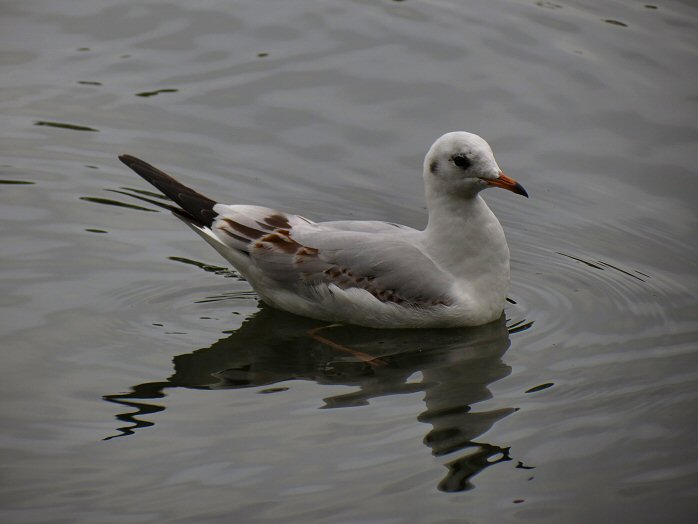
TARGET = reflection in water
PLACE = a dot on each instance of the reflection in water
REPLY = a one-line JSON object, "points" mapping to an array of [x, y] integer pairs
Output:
{"points": [[456, 366]]}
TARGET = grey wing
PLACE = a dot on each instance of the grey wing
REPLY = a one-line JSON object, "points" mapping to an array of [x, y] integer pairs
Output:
{"points": [[366, 226], [380, 258], [390, 267]]}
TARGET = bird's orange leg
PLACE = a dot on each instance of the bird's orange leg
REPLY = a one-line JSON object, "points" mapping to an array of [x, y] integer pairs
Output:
{"points": [[364, 357]]}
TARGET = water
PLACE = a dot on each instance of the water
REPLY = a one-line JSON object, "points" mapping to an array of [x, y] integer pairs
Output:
{"points": [[143, 383]]}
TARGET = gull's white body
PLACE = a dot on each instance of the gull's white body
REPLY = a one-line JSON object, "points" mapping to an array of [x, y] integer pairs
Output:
{"points": [[453, 273]]}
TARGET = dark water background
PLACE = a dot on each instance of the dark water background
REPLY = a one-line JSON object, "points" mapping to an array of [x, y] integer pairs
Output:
{"points": [[142, 383]]}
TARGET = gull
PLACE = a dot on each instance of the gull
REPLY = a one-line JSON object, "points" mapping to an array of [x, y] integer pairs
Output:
{"points": [[454, 273]]}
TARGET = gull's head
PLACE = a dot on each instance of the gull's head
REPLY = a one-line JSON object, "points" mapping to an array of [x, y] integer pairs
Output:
{"points": [[463, 164]]}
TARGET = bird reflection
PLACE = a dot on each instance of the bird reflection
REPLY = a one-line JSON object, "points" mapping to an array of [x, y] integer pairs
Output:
{"points": [[456, 368]]}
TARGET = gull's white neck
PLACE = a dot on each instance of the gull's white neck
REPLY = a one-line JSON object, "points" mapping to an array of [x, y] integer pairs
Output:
{"points": [[465, 238]]}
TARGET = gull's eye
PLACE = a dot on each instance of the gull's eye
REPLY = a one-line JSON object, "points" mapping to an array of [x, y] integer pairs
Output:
{"points": [[461, 161]]}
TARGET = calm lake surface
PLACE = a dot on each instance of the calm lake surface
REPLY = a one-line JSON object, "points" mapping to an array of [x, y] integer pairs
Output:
{"points": [[144, 383]]}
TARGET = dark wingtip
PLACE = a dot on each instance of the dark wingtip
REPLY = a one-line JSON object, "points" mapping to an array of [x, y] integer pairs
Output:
{"points": [[197, 206], [132, 161]]}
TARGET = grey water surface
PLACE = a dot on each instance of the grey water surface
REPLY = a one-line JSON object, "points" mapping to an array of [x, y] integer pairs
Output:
{"points": [[142, 380]]}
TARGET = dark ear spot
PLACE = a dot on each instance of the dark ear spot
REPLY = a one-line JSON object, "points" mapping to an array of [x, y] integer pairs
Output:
{"points": [[434, 167]]}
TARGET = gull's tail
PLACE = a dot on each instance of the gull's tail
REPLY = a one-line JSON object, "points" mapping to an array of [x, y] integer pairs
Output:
{"points": [[193, 206]]}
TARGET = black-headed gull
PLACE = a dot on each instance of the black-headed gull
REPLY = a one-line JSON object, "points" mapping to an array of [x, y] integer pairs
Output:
{"points": [[453, 273]]}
